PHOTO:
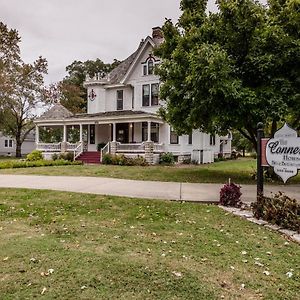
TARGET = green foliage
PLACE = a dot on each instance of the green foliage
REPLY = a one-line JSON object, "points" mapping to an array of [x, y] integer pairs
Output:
{"points": [[280, 210], [167, 159], [55, 156], [240, 143], [71, 92], [66, 156], [34, 155], [16, 164], [122, 160], [233, 68], [21, 88]]}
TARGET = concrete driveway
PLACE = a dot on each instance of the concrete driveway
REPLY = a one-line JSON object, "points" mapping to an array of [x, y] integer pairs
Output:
{"points": [[138, 189]]}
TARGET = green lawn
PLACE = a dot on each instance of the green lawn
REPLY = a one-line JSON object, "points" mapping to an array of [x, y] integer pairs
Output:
{"points": [[76, 246], [239, 171]]}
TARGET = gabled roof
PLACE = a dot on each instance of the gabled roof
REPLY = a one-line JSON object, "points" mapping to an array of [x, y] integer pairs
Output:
{"points": [[56, 112], [117, 74]]}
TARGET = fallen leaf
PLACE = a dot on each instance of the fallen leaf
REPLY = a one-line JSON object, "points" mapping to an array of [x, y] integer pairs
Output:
{"points": [[177, 274]]}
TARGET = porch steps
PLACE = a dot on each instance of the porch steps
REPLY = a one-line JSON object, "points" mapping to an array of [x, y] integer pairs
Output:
{"points": [[89, 157]]}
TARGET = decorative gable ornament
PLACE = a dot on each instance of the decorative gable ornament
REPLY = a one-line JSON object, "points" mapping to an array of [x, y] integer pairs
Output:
{"points": [[92, 95], [283, 152]]}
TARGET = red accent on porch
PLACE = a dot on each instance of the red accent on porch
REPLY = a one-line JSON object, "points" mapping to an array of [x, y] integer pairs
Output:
{"points": [[89, 157]]}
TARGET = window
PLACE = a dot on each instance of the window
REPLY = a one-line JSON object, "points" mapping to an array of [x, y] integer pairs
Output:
{"points": [[150, 67], [154, 94], [154, 132], [92, 134], [173, 137], [190, 139], [120, 100], [150, 94], [8, 143], [212, 140], [146, 95]]}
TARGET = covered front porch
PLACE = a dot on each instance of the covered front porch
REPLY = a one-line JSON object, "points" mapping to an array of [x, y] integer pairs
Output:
{"points": [[130, 134]]}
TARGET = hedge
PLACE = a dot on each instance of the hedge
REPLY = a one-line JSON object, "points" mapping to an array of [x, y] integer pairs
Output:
{"points": [[12, 164]]}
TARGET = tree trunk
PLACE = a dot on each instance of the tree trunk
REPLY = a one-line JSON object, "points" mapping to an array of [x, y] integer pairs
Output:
{"points": [[243, 152], [18, 145]]}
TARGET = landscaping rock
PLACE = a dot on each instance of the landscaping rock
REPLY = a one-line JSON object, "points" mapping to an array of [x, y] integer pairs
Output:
{"points": [[258, 222], [296, 237], [273, 227], [288, 232], [243, 213]]}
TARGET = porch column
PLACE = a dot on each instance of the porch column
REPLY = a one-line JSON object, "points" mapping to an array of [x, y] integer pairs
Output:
{"points": [[80, 133], [114, 132], [37, 134], [65, 133], [64, 142], [149, 132]]}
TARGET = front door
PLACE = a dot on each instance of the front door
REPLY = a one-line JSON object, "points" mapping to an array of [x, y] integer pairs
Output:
{"points": [[122, 133]]}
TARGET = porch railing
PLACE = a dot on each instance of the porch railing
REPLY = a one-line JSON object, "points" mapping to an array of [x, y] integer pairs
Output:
{"points": [[105, 150], [130, 147], [72, 146], [45, 147], [158, 148], [78, 150]]}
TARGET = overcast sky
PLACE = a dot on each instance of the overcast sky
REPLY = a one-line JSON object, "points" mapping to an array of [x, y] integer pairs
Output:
{"points": [[66, 30]]}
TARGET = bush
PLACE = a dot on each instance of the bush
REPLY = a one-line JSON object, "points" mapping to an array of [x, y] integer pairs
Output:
{"points": [[35, 155], [230, 195], [13, 164], [54, 156], [122, 160], [167, 158], [280, 210], [67, 156]]}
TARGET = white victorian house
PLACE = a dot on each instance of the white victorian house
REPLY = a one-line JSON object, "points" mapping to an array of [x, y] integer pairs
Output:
{"points": [[122, 117]]}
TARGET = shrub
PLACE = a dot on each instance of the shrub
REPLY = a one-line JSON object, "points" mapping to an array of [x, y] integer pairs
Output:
{"points": [[34, 155], [54, 156], [280, 210], [67, 156], [13, 164], [122, 160], [107, 159], [167, 158], [230, 195]]}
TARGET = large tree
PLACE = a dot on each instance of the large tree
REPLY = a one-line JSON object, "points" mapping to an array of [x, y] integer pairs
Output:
{"points": [[21, 87], [233, 68]]}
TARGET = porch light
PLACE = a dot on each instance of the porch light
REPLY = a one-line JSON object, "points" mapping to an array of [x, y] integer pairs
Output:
{"points": [[130, 125]]}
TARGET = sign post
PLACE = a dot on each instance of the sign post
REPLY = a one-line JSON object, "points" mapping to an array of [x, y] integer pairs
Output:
{"points": [[260, 170]]}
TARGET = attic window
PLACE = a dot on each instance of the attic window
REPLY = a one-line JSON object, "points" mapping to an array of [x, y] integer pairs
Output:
{"points": [[148, 66]]}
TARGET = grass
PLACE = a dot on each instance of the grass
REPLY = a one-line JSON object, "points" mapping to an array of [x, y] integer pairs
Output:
{"points": [[239, 171], [118, 248]]}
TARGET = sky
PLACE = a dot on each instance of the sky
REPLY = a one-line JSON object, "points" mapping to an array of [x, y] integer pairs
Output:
{"points": [[66, 30]]}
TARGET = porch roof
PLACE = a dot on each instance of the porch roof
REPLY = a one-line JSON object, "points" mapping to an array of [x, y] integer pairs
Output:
{"points": [[102, 118]]}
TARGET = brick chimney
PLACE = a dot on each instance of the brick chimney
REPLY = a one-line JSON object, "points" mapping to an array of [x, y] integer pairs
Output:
{"points": [[157, 33]]}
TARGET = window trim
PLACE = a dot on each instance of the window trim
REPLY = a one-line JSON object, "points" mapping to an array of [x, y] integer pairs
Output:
{"points": [[212, 140], [120, 100], [177, 137], [8, 143], [150, 100], [190, 139]]}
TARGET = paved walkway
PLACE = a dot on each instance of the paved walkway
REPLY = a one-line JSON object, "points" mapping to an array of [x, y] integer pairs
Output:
{"points": [[140, 189]]}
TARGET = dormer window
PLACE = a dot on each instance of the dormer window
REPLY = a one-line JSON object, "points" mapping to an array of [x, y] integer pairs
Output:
{"points": [[148, 66]]}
